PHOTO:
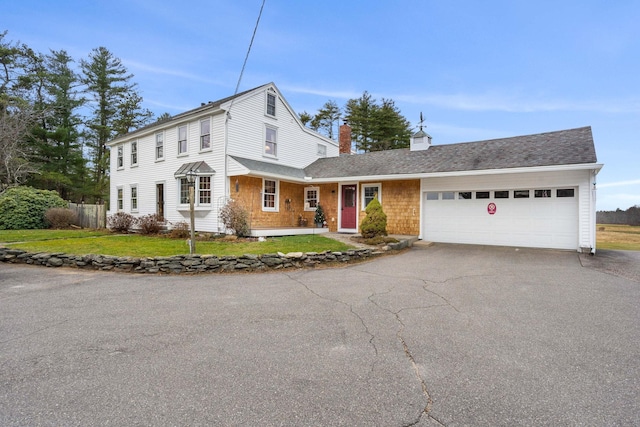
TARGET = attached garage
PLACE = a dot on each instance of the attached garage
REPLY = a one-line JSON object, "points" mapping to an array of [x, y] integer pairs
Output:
{"points": [[538, 210]]}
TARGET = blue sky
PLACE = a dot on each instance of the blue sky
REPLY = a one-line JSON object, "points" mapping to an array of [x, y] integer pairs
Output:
{"points": [[475, 69]]}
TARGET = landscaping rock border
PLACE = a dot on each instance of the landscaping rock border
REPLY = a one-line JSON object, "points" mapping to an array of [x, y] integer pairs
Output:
{"points": [[192, 264]]}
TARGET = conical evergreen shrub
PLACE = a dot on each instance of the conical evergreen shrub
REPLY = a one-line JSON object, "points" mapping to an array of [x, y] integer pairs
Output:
{"points": [[375, 222]]}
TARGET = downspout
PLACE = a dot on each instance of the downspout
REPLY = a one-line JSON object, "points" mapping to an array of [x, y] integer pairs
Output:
{"points": [[592, 212]]}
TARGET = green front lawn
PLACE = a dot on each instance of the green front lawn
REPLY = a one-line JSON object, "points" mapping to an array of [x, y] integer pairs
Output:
{"points": [[80, 242]]}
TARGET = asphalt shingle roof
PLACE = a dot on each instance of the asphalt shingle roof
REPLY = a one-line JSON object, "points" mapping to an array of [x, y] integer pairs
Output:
{"points": [[565, 147], [269, 168]]}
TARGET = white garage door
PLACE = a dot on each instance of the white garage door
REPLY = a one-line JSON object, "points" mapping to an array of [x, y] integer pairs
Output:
{"points": [[538, 218]]}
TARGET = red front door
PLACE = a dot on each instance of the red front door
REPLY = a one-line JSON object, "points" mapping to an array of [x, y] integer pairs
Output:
{"points": [[348, 218]]}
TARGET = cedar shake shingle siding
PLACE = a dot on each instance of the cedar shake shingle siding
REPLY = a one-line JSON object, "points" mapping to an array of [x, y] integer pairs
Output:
{"points": [[566, 147]]}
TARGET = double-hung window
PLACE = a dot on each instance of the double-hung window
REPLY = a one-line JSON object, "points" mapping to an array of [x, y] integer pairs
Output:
{"points": [[134, 153], [269, 195], [134, 198], [182, 140], [205, 134], [159, 146], [120, 159], [204, 190], [271, 104], [184, 191], [311, 198], [271, 142], [370, 192], [120, 199]]}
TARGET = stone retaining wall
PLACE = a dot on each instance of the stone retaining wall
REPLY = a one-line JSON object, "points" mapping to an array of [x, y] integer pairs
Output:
{"points": [[186, 263]]}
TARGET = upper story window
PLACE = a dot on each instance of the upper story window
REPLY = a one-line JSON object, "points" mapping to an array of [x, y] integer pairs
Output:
{"points": [[120, 159], [322, 150], [271, 104], [270, 143], [205, 134], [134, 153], [159, 146], [182, 139], [370, 192], [311, 198], [269, 195]]}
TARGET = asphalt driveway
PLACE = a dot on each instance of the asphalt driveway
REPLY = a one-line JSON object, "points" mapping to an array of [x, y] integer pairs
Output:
{"points": [[441, 335]]}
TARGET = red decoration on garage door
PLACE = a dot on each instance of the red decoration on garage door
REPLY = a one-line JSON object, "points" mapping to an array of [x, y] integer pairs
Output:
{"points": [[491, 208]]}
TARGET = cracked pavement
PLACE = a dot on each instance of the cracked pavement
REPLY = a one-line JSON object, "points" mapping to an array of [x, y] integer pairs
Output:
{"points": [[434, 336]]}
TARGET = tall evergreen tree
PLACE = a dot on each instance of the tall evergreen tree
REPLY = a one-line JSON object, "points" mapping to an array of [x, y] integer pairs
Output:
{"points": [[376, 127], [326, 119], [109, 85], [58, 138]]}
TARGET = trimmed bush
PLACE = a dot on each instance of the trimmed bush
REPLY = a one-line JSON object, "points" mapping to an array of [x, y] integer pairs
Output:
{"points": [[60, 217], [235, 218], [23, 208], [150, 224], [121, 222], [375, 222]]}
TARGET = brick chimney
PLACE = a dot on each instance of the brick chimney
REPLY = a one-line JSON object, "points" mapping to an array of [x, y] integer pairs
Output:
{"points": [[344, 138]]}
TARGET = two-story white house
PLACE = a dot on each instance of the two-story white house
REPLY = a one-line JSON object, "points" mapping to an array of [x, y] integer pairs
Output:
{"points": [[149, 165], [531, 191]]}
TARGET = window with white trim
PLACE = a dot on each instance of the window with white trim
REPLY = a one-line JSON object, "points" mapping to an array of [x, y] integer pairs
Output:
{"points": [[183, 185], [159, 146], [269, 195], [134, 153], [120, 158], [370, 192], [120, 199], [134, 198], [311, 198], [271, 104], [322, 150], [204, 190], [182, 140], [205, 134], [270, 141]]}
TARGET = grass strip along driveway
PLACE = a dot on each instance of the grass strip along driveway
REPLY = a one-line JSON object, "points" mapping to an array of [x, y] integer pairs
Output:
{"points": [[79, 242]]}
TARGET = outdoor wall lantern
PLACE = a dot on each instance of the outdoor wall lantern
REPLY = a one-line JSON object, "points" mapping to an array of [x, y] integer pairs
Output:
{"points": [[191, 179]]}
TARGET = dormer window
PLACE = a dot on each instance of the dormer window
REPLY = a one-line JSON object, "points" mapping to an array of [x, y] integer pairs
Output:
{"points": [[271, 104]]}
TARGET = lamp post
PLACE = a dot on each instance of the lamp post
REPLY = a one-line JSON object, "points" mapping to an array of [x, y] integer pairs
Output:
{"points": [[191, 179]]}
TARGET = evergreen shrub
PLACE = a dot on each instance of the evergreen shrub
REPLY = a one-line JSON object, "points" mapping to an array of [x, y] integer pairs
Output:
{"points": [[375, 222], [23, 208]]}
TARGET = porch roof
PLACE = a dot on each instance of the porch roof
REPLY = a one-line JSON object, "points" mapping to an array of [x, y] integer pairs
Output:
{"points": [[200, 168], [565, 147], [272, 169]]}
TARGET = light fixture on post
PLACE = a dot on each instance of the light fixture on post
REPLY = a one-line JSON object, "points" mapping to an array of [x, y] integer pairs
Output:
{"points": [[191, 180]]}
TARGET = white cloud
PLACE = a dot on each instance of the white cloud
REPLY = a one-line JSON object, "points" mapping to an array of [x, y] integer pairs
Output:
{"points": [[619, 183], [170, 72]]}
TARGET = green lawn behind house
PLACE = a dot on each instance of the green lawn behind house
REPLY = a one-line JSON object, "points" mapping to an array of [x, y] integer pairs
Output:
{"points": [[80, 242], [618, 237]]}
